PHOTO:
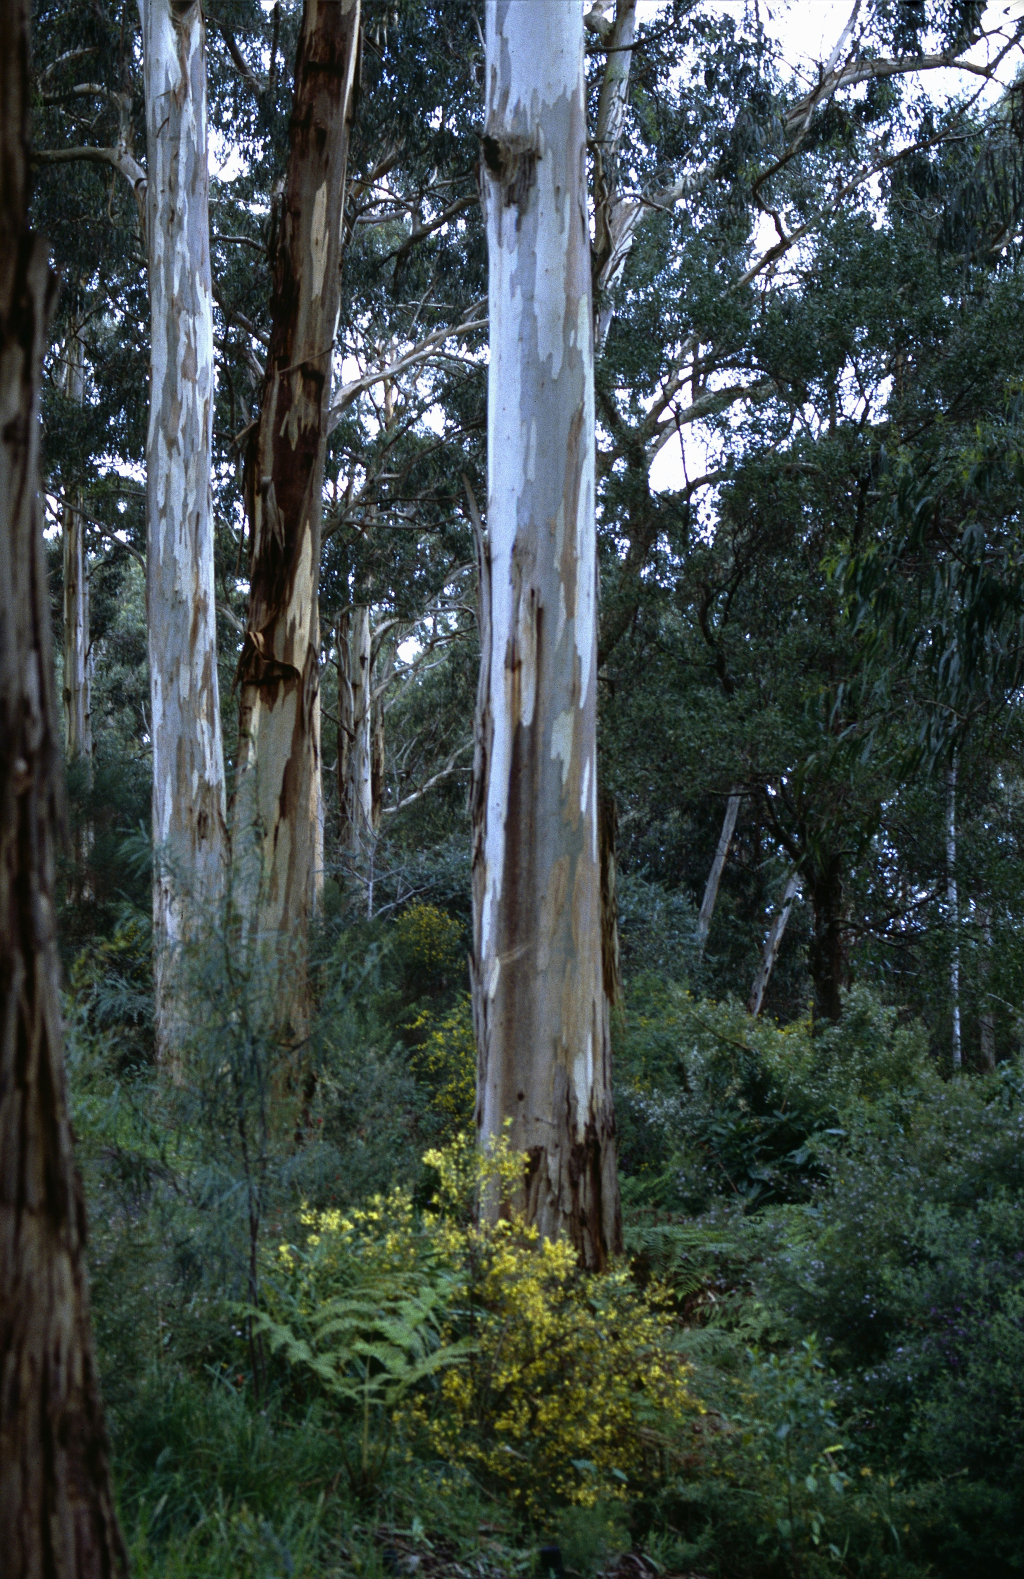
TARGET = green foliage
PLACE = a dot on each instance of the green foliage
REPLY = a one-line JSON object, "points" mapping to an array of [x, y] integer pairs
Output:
{"points": [[835, 1227], [591, 1538], [848, 1308], [915, 1277], [445, 1062], [774, 1485], [715, 1102], [111, 988], [358, 1309], [509, 1366], [430, 947]]}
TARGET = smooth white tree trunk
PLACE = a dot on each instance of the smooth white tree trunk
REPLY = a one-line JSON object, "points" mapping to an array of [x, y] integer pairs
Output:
{"points": [[77, 658], [953, 914], [615, 215], [772, 944], [711, 887], [189, 831], [359, 816], [540, 1007]]}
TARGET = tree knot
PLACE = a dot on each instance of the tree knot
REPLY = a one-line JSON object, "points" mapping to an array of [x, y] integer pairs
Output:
{"points": [[512, 162]]}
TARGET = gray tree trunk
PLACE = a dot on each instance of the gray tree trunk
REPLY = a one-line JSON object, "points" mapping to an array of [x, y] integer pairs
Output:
{"points": [[359, 815], [57, 1518], [77, 663], [953, 915], [711, 887], [772, 944], [540, 1008], [615, 216], [276, 817], [189, 827]]}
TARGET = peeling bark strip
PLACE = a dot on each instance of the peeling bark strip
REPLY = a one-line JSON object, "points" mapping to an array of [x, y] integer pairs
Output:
{"points": [[539, 1004], [189, 826], [276, 813], [56, 1509]]}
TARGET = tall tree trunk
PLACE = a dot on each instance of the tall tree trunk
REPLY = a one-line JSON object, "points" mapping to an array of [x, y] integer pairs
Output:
{"points": [[711, 887], [358, 813], [77, 656], [826, 954], [772, 944], [607, 844], [189, 828], [77, 687], [57, 1517], [540, 1009], [276, 811], [614, 220], [986, 1014], [953, 915]]}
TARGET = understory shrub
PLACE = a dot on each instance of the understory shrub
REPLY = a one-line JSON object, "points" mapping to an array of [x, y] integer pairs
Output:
{"points": [[488, 1349], [713, 1102], [444, 1063]]}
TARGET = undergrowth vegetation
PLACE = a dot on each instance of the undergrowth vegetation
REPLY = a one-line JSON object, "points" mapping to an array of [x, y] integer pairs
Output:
{"points": [[319, 1361]]}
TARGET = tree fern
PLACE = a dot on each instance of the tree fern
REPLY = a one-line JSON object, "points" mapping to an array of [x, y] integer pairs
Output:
{"points": [[369, 1347]]}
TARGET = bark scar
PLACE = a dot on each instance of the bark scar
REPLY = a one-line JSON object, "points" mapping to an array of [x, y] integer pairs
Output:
{"points": [[512, 162]]}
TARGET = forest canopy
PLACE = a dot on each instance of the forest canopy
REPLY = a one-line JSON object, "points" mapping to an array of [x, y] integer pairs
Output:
{"points": [[539, 484]]}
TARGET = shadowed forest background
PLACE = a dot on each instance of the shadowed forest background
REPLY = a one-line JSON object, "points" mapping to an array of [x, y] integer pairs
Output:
{"points": [[809, 319]]}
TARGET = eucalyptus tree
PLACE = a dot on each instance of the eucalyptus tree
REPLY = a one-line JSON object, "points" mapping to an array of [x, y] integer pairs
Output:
{"points": [[710, 211], [89, 199], [711, 887], [888, 341], [359, 763], [77, 702], [539, 1001], [277, 799], [189, 812], [56, 1500]]}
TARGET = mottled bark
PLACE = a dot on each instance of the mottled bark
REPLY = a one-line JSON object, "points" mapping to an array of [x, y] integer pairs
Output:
{"points": [[711, 887], [772, 944], [615, 216], [358, 806], [77, 666], [56, 1508], [539, 1004], [276, 811], [189, 826]]}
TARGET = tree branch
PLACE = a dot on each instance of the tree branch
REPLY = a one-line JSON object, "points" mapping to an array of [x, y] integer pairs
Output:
{"points": [[115, 157], [437, 778], [358, 386], [240, 62]]}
